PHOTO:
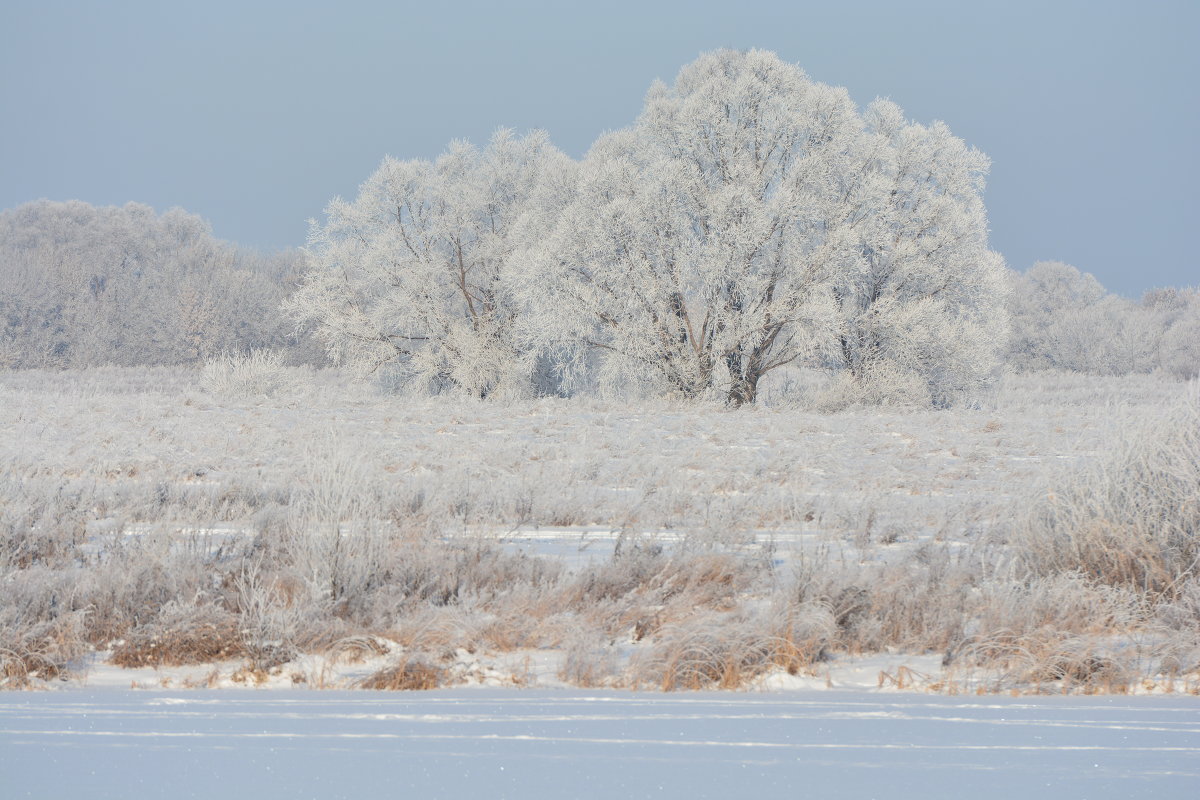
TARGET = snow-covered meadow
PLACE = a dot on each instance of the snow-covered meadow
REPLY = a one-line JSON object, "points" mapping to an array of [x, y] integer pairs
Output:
{"points": [[196, 537]]}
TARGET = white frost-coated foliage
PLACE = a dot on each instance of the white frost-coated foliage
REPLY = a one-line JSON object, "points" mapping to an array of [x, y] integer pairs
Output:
{"points": [[1065, 319], [1179, 348], [84, 285], [410, 272], [751, 218]]}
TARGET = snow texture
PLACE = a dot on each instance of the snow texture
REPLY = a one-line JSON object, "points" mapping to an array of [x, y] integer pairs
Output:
{"points": [[507, 743]]}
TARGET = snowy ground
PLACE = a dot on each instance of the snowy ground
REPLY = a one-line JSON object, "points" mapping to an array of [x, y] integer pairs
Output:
{"points": [[158, 492], [152, 453], [164, 498], [511, 743]]}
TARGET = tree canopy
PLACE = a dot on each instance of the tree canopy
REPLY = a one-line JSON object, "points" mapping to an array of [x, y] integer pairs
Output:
{"points": [[752, 217]]}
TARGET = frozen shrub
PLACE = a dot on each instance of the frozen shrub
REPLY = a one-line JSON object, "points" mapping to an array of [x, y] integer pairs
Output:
{"points": [[1179, 352], [1182, 612], [725, 650], [1069, 663], [632, 565], [182, 635], [269, 618], [247, 374], [589, 660], [918, 603], [42, 649], [40, 524], [882, 385]]}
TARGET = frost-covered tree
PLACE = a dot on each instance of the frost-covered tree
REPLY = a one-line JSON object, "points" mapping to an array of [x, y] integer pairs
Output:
{"points": [[1065, 319], [82, 285], [919, 297], [1179, 348], [752, 217], [1038, 303], [410, 273]]}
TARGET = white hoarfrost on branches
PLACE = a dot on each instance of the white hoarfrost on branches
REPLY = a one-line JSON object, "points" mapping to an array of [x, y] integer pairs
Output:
{"points": [[751, 218], [1063, 318], [410, 273], [919, 297], [84, 285]]}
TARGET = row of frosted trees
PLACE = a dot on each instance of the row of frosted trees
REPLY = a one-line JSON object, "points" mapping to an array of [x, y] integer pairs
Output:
{"points": [[749, 219], [82, 285], [1062, 318]]}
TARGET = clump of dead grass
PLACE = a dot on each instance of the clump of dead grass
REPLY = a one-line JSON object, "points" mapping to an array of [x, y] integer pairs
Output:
{"points": [[415, 672], [41, 651], [182, 636], [731, 649], [1133, 519]]}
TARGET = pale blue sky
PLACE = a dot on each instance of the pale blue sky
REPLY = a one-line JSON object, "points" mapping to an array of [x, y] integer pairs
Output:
{"points": [[255, 115]]}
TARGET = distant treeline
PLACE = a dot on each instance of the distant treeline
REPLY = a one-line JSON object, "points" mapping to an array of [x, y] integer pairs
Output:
{"points": [[82, 285], [1062, 318]]}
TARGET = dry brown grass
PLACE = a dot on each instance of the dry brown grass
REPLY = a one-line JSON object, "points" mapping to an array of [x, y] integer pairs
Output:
{"points": [[42, 651], [194, 636], [1134, 519], [729, 650], [414, 673], [1046, 661]]}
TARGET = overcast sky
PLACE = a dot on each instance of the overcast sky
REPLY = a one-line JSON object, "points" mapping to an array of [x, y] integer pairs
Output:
{"points": [[255, 115]]}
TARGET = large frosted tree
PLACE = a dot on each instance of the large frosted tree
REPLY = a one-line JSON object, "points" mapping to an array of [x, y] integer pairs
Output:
{"points": [[410, 273], [751, 218], [919, 297]]}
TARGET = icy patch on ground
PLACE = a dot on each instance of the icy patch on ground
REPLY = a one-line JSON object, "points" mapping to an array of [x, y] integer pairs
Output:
{"points": [[513, 743]]}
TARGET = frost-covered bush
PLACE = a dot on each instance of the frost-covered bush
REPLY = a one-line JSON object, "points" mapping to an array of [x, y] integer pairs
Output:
{"points": [[257, 373], [415, 672], [589, 659], [879, 385], [920, 602], [44, 649], [181, 634], [1179, 348]]}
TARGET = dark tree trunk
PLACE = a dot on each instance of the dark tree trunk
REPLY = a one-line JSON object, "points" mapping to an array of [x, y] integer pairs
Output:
{"points": [[744, 390]]}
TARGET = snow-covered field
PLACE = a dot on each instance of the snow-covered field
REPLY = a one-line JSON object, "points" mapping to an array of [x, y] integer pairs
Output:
{"points": [[148, 451], [516, 744], [333, 531]]}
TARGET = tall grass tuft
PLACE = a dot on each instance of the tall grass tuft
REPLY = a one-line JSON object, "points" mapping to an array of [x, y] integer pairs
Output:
{"points": [[1133, 519], [247, 374]]}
